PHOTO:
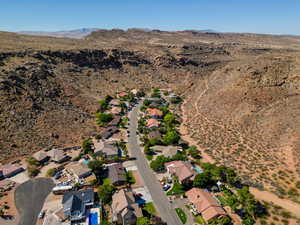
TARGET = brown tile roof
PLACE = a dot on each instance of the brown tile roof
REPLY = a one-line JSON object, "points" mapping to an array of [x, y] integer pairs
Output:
{"points": [[8, 169], [119, 201], [205, 203], [98, 145], [57, 155], [116, 173], [40, 155], [152, 123], [115, 121], [154, 134], [78, 168], [116, 110], [154, 112], [123, 200], [183, 170], [167, 151], [108, 132], [122, 94], [115, 102], [110, 149]]}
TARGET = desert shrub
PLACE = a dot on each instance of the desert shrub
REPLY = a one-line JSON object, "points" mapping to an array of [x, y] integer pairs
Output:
{"points": [[51, 172], [33, 171]]}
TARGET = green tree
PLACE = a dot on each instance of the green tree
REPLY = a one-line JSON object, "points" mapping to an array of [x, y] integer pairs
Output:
{"points": [[202, 180], [231, 176], [87, 146], [170, 120], [194, 152], [51, 172], [171, 137], [105, 193], [140, 93], [176, 100], [143, 221], [95, 166], [146, 102], [179, 156], [103, 118], [159, 163], [129, 178], [32, 161], [33, 171], [248, 221]]}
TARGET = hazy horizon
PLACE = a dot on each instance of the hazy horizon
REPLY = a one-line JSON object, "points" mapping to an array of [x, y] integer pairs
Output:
{"points": [[267, 17]]}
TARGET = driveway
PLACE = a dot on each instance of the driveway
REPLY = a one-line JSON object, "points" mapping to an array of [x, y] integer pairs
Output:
{"points": [[30, 197], [181, 203], [20, 177], [160, 200]]}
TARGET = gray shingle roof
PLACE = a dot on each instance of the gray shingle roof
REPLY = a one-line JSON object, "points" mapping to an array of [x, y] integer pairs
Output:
{"points": [[116, 173]]}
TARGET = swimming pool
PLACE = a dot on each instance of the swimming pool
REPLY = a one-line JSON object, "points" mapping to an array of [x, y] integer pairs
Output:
{"points": [[198, 170], [85, 161], [93, 219]]}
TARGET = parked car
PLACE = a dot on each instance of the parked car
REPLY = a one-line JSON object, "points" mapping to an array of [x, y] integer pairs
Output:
{"points": [[166, 187], [42, 214]]}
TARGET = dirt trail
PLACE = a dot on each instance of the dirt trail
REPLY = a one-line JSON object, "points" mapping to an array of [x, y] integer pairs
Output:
{"points": [[270, 197], [260, 195]]}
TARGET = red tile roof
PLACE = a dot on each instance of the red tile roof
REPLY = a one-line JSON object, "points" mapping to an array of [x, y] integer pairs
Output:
{"points": [[152, 123], [154, 112], [183, 170], [205, 203], [116, 110]]}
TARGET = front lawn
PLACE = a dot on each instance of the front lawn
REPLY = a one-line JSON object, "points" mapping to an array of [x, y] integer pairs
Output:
{"points": [[221, 200], [177, 189], [199, 220], [181, 215], [106, 181], [149, 207]]}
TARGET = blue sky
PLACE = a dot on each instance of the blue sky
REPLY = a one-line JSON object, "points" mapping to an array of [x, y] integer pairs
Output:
{"points": [[257, 16]]}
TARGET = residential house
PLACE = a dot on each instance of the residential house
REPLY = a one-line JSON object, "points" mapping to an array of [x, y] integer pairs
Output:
{"points": [[116, 174], [98, 146], [152, 123], [77, 203], [134, 91], [10, 170], [167, 151], [115, 122], [41, 156], [155, 134], [115, 110], [110, 150], [115, 102], [108, 132], [122, 94], [182, 169], [58, 156], [154, 113], [125, 210], [79, 170], [204, 203]]}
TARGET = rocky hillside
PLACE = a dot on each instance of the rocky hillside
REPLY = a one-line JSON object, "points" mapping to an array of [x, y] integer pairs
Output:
{"points": [[241, 92]]}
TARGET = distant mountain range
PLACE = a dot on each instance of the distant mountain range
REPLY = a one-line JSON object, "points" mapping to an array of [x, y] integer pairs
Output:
{"points": [[78, 33]]}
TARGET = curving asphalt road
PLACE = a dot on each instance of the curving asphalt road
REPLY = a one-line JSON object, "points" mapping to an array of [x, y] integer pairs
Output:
{"points": [[30, 197], [160, 200]]}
